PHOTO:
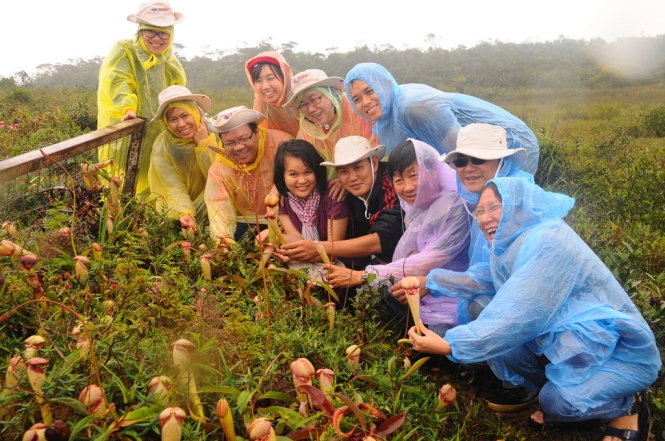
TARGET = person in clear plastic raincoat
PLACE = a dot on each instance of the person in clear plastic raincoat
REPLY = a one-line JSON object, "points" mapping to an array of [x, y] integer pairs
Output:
{"points": [[130, 78], [242, 175], [436, 235], [401, 111], [559, 321], [180, 156], [326, 116], [481, 154], [270, 77]]}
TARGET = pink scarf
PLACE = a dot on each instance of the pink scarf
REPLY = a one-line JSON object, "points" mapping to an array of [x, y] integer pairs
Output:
{"points": [[306, 210]]}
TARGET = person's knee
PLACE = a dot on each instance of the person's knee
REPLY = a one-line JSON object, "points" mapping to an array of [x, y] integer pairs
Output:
{"points": [[554, 405]]}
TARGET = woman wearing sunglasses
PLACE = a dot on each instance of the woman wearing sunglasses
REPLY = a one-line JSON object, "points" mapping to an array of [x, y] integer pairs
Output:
{"points": [[482, 153]]}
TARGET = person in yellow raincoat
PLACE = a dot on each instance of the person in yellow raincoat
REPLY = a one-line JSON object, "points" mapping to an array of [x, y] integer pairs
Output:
{"points": [[180, 156], [131, 76], [270, 77], [326, 115], [242, 176]]}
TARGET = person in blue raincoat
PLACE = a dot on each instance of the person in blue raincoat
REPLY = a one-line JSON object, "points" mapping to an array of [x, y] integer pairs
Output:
{"points": [[481, 154], [559, 321], [401, 111]]}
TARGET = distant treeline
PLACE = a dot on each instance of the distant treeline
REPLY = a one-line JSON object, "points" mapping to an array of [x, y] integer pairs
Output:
{"points": [[560, 64]]}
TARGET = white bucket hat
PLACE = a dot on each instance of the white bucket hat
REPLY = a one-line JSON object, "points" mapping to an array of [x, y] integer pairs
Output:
{"points": [[157, 14], [352, 149], [312, 78], [181, 93], [234, 117], [482, 141]]}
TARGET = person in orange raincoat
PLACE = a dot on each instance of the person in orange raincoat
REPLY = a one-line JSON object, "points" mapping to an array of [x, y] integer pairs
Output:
{"points": [[326, 115], [242, 175], [270, 77]]}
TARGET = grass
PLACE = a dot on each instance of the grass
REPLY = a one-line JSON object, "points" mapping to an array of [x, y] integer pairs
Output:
{"points": [[248, 323]]}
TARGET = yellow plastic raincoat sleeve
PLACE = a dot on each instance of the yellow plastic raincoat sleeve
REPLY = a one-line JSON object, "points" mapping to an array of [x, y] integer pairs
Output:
{"points": [[165, 181], [221, 211], [130, 78]]}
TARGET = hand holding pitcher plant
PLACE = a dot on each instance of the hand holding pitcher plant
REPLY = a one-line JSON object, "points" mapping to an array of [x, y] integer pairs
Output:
{"points": [[411, 286]]}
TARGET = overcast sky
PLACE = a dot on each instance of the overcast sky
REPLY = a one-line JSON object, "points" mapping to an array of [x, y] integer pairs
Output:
{"points": [[49, 32]]}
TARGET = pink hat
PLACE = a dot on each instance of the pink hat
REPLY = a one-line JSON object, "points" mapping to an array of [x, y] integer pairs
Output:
{"points": [[312, 78], [157, 14], [181, 93], [229, 119]]}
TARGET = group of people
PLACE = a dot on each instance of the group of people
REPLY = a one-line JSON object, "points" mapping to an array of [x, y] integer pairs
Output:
{"points": [[393, 180]]}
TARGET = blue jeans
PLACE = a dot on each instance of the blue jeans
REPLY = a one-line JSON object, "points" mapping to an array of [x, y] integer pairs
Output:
{"points": [[525, 363]]}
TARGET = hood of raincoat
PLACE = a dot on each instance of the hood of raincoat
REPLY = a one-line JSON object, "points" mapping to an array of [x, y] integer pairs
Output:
{"points": [[525, 205], [380, 80], [286, 70], [314, 130], [277, 117], [434, 177], [415, 110]]}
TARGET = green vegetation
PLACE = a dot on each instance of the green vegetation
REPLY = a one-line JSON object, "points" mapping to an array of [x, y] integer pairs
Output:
{"points": [[601, 138]]}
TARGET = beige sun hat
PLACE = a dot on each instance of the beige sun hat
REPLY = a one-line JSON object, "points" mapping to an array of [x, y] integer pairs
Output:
{"points": [[352, 149], [234, 117], [482, 141], [180, 93], [157, 14], [312, 78]]}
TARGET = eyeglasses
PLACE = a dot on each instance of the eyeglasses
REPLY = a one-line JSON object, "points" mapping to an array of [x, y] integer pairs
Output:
{"points": [[313, 102], [492, 209], [152, 34], [462, 161], [244, 140]]}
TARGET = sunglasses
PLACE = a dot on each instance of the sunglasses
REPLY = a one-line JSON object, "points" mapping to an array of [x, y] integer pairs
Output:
{"points": [[462, 161]]}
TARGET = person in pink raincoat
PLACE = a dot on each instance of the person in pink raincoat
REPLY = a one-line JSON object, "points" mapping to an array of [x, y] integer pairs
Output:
{"points": [[436, 236], [270, 77]]}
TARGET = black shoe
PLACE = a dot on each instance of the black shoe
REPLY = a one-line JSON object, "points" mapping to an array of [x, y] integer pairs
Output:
{"points": [[513, 399]]}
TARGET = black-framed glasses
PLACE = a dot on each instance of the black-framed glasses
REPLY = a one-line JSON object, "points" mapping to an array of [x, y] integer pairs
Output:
{"points": [[312, 102], [462, 161], [244, 140], [152, 34]]}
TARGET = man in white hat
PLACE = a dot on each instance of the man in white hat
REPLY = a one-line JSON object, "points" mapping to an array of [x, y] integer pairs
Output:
{"points": [[242, 176], [131, 76], [376, 222]]}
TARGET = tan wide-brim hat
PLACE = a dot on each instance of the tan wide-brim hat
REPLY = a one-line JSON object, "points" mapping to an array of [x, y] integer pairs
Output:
{"points": [[312, 78], [157, 14], [181, 93], [234, 117], [352, 149], [482, 141]]}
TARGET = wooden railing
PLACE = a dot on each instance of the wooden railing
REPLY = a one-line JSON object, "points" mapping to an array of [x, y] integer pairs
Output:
{"points": [[47, 156]]}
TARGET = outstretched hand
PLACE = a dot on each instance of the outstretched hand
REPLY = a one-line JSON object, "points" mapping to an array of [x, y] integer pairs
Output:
{"points": [[130, 114], [429, 342], [400, 294], [304, 250], [342, 277]]}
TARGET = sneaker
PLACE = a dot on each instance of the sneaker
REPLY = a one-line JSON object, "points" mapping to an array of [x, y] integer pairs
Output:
{"points": [[512, 399]]}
